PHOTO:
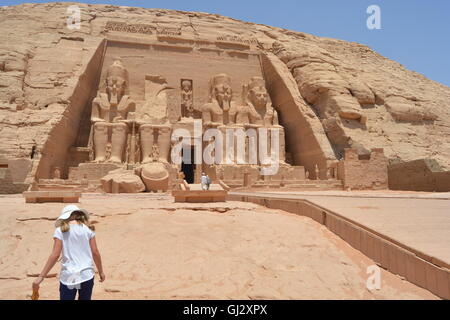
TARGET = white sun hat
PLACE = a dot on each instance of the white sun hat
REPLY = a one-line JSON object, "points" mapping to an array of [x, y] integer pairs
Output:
{"points": [[67, 211]]}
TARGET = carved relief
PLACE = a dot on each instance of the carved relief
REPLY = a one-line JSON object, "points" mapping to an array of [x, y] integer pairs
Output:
{"points": [[168, 31], [187, 99], [236, 39], [131, 28], [56, 173], [141, 137]]}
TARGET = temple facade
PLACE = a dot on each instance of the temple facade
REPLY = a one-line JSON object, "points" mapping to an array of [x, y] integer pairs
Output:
{"points": [[159, 108]]}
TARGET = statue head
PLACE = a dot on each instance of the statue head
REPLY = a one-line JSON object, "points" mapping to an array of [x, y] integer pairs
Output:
{"points": [[221, 90], [186, 85], [256, 92], [116, 81]]}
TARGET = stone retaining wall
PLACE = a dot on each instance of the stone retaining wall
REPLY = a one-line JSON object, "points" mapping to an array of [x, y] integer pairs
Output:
{"points": [[416, 267]]}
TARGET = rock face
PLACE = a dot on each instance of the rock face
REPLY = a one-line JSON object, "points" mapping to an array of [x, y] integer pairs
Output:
{"points": [[329, 94]]}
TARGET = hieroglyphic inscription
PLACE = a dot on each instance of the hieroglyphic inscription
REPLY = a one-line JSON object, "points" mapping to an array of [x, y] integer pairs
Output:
{"points": [[132, 28], [168, 31], [141, 28], [236, 39]]}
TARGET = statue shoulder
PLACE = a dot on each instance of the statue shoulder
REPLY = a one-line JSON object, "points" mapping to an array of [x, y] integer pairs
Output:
{"points": [[211, 107], [101, 99], [127, 100]]}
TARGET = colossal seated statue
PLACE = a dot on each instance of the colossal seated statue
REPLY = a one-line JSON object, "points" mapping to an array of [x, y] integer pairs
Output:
{"points": [[257, 112], [220, 110], [152, 118], [109, 116], [257, 109]]}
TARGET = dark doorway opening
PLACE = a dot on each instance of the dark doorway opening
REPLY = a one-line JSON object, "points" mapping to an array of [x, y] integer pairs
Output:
{"points": [[188, 167]]}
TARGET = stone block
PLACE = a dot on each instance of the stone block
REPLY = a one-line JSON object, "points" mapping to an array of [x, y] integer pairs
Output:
{"points": [[376, 247], [393, 257], [331, 223], [385, 255], [198, 195], [420, 267], [443, 283], [402, 259], [364, 243], [410, 267], [431, 277], [355, 237]]}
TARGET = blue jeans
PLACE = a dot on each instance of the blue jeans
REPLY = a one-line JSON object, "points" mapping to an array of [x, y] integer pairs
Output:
{"points": [[84, 293]]}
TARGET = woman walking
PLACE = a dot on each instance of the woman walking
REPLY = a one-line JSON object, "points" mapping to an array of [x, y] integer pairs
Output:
{"points": [[75, 238]]}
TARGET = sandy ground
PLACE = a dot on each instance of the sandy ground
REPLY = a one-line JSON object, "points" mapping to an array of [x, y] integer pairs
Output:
{"points": [[153, 248]]}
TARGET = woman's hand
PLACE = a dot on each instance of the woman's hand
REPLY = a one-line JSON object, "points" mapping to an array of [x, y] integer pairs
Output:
{"points": [[102, 276], [37, 282]]}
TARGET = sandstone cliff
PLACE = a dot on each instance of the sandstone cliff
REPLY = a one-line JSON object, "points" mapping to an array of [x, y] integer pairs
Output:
{"points": [[355, 96]]}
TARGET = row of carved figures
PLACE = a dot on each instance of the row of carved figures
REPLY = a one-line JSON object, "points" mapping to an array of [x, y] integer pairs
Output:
{"points": [[120, 133]]}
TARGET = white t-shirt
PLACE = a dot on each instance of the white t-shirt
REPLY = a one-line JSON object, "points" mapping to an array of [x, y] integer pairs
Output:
{"points": [[77, 264]]}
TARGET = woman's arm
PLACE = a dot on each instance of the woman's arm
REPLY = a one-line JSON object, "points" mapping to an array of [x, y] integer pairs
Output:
{"points": [[97, 258], [56, 252]]}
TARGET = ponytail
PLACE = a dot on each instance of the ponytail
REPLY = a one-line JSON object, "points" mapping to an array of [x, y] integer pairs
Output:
{"points": [[80, 217]]}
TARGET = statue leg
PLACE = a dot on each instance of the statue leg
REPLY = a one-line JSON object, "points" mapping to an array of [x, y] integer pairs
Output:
{"points": [[118, 141], [164, 144], [281, 144], [100, 141], [146, 135]]}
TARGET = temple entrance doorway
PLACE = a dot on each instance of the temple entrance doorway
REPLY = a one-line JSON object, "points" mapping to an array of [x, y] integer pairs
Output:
{"points": [[188, 167]]}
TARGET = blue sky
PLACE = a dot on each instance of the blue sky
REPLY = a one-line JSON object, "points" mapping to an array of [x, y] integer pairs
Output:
{"points": [[416, 33]]}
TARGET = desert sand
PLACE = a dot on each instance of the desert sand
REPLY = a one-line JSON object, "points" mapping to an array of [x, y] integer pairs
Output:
{"points": [[153, 248]]}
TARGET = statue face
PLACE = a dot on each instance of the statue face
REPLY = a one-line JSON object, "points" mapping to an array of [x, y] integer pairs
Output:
{"points": [[115, 87], [223, 93], [186, 86], [258, 96]]}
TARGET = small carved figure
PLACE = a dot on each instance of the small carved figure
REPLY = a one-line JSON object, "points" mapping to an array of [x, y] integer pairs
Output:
{"points": [[57, 173], [155, 153], [108, 151], [187, 104]]}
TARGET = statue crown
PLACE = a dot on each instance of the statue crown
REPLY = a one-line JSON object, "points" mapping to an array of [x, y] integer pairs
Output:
{"points": [[256, 82], [221, 78], [117, 70]]}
